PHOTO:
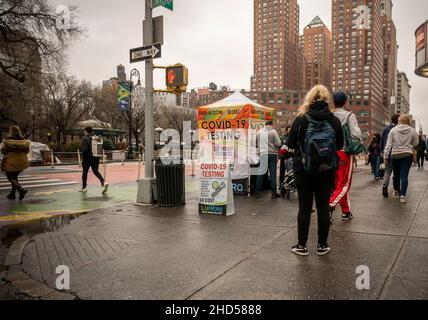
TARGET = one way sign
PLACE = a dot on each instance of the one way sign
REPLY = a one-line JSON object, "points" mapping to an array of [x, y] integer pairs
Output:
{"points": [[146, 53]]}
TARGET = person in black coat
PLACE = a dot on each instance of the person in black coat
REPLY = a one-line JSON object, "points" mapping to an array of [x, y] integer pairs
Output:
{"points": [[316, 105], [89, 161], [420, 149]]}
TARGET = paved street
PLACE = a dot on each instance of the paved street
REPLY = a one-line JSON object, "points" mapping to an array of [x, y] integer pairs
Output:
{"points": [[55, 192], [129, 252]]}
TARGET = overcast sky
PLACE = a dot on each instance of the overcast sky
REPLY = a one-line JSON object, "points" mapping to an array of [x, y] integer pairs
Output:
{"points": [[214, 39]]}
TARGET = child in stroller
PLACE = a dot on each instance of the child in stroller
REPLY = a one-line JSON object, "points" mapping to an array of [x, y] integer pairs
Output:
{"points": [[287, 186]]}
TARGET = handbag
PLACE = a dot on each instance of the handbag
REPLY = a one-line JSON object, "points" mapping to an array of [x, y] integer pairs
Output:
{"points": [[353, 145]]}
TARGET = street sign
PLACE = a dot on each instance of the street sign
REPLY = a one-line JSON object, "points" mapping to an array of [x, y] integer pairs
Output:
{"points": [[150, 52], [169, 4], [157, 30]]}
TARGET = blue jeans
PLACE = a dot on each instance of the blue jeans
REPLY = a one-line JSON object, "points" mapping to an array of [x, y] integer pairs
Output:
{"points": [[376, 166], [267, 163], [401, 168]]}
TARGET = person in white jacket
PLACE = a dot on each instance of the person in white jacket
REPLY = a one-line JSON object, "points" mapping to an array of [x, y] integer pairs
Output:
{"points": [[345, 170], [400, 145], [269, 143]]}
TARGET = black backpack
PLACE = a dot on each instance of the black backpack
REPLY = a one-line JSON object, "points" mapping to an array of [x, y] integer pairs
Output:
{"points": [[319, 148]]}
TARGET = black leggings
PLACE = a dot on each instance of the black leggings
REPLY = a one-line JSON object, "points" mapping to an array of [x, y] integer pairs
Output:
{"points": [[421, 158], [13, 179], [322, 187], [93, 163]]}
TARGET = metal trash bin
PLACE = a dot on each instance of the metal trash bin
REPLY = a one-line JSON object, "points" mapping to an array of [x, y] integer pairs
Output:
{"points": [[170, 181]]}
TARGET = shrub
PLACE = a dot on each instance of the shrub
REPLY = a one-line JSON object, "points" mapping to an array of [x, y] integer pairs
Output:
{"points": [[72, 147], [108, 145]]}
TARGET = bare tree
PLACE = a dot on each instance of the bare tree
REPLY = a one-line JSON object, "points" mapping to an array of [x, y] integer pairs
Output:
{"points": [[66, 102], [105, 107], [173, 117], [32, 30]]}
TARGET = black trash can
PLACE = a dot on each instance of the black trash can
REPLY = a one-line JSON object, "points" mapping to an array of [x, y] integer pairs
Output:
{"points": [[170, 180]]}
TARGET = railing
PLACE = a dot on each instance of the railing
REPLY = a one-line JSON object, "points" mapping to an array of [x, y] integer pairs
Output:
{"points": [[54, 159]]}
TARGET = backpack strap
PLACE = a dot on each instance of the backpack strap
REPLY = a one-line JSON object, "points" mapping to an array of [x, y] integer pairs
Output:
{"points": [[309, 118], [348, 118]]}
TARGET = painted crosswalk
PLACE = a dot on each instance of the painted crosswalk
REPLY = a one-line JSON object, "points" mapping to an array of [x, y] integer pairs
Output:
{"points": [[34, 182]]}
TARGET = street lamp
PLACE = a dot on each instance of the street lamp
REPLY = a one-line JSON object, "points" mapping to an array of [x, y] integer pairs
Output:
{"points": [[159, 130], [134, 73], [192, 133]]}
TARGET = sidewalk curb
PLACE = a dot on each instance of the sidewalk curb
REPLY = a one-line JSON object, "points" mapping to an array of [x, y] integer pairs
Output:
{"points": [[22, 283]]}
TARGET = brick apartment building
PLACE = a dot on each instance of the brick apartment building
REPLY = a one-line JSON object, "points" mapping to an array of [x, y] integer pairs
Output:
{"points": [[358, 60], [277, 78], [317, 54], [276, 46], [403, 94], [389, 35]]}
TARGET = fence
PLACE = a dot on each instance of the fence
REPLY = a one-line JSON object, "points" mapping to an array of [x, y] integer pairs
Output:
{"points": [[75, 158]]}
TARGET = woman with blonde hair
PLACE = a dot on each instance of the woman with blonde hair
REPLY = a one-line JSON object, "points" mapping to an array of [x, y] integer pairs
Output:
{"points": [[400, 145], [15, 150], [316, 135]]}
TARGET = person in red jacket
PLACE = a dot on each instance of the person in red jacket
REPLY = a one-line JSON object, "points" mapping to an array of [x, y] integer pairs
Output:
{"points": [[345, 171]]}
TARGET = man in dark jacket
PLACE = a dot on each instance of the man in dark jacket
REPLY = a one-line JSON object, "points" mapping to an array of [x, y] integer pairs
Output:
{"points": [[420, 149], [89, 161], [388, 166]]}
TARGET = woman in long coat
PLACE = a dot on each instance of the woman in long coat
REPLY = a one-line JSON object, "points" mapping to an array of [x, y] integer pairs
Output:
{"points": [[15, 149]]}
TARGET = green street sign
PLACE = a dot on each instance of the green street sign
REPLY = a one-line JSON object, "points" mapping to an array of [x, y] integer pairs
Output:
{"points": [[169, 4]]}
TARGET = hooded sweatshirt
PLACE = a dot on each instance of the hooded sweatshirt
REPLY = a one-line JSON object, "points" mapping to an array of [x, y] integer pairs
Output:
{"points": [[401, 141], [319, 111], [268, 141]]}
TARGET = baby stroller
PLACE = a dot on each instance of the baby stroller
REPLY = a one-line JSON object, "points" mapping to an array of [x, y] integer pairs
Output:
{"points": [[288, 186]]}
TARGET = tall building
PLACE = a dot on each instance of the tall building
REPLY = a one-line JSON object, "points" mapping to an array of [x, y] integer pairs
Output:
{"points": [[403, 94], [390, 47], [358, 60], [121, 74], [317, 53], [276, 46]]}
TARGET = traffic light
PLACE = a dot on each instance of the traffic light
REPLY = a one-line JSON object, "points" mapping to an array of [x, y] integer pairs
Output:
{"points": [[177, 78]]}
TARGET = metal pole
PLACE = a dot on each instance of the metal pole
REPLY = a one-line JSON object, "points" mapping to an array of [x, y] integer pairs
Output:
{"points": [[52, 159], [139, 167], [130, 150], [191, 154], [78, 158], [149, 95], [146, 189]]}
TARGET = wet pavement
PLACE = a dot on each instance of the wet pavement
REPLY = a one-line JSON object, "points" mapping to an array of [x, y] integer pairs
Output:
{"points": [[64, 199], [129, 252]]}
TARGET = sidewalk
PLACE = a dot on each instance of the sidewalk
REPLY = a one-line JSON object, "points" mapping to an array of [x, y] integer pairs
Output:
{"points": [[130, 252]]}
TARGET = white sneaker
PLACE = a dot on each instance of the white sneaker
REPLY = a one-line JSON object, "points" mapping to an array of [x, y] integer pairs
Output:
{"points": [[84, 190], [403, 199], [105, 188]]}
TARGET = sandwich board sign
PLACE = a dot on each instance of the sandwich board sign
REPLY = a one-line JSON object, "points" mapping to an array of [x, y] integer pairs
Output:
{"points": [[216, 193]]}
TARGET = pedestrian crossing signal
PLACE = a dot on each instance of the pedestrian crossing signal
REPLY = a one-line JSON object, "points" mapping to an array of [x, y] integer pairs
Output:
{"points": [[177, 78]]}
